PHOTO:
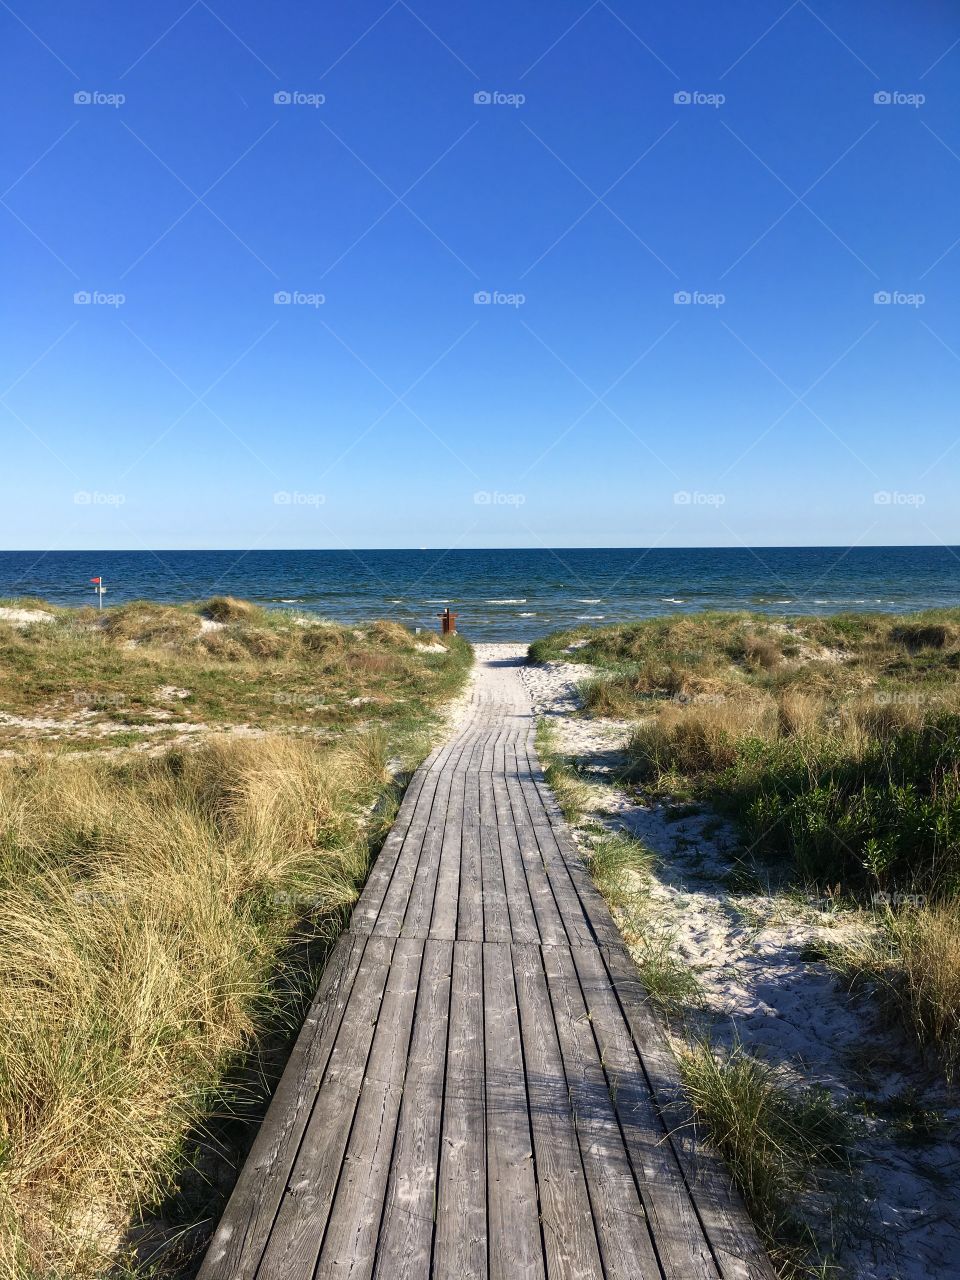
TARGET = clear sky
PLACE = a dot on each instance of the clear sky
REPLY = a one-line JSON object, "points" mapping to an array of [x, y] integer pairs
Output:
{"points": [[584, 402]]}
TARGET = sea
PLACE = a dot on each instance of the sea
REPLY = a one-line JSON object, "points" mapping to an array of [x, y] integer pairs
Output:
{"points": [[501, 595]]}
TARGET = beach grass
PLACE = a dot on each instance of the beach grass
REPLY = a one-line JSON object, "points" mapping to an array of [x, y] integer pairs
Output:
{"points": [[833, 743], [159, 905], [780, 1144], [154, 671]]}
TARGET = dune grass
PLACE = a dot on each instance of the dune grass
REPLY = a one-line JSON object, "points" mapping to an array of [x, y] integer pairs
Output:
{"points": [[780, 1144], [137, 669], [571, 791], [148, 900], [833, 742]]}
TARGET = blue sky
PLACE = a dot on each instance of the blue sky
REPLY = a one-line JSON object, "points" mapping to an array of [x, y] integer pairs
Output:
{"points": [[584, 404]]}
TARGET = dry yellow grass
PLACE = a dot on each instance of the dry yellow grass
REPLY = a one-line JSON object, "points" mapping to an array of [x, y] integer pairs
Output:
{"points": [[143, 908], [913, 959], [691, 737], [928, 946]]}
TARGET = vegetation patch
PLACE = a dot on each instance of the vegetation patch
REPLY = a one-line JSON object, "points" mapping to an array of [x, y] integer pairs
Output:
{"points": [[834, 744], [782, 1145], [150, 901]]}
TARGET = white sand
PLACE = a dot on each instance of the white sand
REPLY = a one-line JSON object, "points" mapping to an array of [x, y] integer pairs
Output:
{"points": [[747, 951], [22, 617]]}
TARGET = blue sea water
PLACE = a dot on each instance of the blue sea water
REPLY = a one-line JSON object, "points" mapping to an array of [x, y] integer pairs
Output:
{"points": [[506, 594]]}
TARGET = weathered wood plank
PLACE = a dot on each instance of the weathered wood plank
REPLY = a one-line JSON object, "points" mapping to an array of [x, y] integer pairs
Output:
{"points": [[470, 896], [460, 1242], [443, 922], [680, 1240], [397, 897], [443, 826], [406, 1233], [496, 916], [523, 921], [623, 1231], [585, 914], [367, 908], [549, 922], [237, 1245], [513, 1214], [294, 1243], [569, 1236], [351, 1236]]}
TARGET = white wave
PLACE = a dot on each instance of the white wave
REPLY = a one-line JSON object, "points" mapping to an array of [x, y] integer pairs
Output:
{"points": [[671, 600], [523, 601], [590, 617], [528, 615], [590, 600]]}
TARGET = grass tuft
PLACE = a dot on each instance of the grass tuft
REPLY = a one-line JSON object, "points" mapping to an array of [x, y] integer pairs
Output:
{"points": [[778, 1142]]}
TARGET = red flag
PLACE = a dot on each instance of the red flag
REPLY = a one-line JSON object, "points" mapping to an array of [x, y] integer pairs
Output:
{"points": [[95, 579]]}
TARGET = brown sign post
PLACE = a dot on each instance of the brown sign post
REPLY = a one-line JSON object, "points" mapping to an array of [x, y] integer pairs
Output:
{"points": [[448, 623]]}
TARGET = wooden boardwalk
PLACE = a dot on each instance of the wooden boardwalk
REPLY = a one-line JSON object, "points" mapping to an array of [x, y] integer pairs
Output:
{"points": [[480, 1087]]}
